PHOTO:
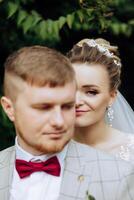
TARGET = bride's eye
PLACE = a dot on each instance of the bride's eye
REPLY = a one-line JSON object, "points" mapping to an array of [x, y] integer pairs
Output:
{"points": [[91, 92]]}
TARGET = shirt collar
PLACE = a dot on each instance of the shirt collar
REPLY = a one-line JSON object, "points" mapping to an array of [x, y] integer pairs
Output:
{"points": [[24, 155]]}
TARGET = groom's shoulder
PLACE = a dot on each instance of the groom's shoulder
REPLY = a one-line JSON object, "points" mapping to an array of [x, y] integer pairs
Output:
{"points": [[9, 149], [7, 153]]}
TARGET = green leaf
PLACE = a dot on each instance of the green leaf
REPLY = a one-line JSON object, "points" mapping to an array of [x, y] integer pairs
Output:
{"points": [[42, 30], [56, 29], [36, 16], [123, 28], [80, 15], [102, 23], [89, 196], [85, 26], [128, 32], [49, 26], [27, 23], [70, 20], [115, 28], [61, 21], [21, 16], [89, 15], [77, 26], [11, 8]]}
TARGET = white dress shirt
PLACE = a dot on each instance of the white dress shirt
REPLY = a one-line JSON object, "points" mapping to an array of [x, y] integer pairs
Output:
{"points": [[39, 185]]}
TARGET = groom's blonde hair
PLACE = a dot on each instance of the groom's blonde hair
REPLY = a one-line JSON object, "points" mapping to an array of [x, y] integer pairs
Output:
{"points": [[37, 66]]}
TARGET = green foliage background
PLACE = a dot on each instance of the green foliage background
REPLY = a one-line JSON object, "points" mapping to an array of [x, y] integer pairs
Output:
{"points": [[59, 24]]}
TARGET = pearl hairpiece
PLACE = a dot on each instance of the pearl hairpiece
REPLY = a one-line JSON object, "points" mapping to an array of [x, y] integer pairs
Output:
{"points": [[102, 49]]}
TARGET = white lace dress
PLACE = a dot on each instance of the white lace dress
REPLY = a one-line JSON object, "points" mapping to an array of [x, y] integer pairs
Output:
{"points": [[126, 151], [120, 146]]}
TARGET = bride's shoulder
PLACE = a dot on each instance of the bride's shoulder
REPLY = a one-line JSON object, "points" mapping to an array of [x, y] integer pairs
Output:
{"points": [[129, 140], [128, 137], [124, 136]]}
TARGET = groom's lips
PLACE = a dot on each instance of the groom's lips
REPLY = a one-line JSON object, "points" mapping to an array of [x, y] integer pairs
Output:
{"points": [[55, 134]]}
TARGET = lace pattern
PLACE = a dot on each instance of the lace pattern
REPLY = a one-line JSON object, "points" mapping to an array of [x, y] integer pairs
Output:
{"points": [[126, 151]]}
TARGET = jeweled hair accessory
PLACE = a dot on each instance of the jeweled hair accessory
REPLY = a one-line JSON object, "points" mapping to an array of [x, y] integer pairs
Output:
{"points": [[102, 49]]}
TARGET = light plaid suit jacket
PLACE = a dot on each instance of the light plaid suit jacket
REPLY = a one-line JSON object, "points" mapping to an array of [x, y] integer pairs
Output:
{"points": [[86, 169]]}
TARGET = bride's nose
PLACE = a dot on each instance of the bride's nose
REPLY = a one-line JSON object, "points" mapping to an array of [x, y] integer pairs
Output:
{"points": [[79, 99]]}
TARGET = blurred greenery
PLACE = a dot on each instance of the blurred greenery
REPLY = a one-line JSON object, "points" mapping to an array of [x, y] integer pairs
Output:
{"points": [[59, 24]]}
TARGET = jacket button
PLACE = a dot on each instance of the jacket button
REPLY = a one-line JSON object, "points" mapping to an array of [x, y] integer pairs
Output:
{"points": [[81, 178]]}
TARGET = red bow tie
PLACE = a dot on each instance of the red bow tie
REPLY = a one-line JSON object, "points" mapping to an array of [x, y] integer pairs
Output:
{"points": [[50, 166]]}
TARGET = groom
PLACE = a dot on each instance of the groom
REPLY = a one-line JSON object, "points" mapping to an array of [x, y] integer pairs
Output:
{"points": [[39, 98]]}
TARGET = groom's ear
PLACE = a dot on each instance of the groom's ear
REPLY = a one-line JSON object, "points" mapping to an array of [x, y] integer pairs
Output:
{"points": [[7, 105]]}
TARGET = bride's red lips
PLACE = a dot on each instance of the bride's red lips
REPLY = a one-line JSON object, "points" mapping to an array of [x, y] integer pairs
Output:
{"points": [[81, 110]]}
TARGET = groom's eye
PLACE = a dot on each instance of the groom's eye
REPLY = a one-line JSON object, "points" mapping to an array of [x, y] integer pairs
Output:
{"points": [[68, 106], [42, 107]]}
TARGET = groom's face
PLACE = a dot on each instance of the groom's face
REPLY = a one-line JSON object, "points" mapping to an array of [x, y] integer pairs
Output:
{"points": [[44, 117]]}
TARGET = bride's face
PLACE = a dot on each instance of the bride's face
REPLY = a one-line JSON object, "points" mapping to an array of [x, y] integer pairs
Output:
{"points": [[93, 94]]}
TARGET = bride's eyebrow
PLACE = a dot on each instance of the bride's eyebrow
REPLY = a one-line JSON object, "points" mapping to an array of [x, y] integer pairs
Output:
{"points": [[90, 86]]}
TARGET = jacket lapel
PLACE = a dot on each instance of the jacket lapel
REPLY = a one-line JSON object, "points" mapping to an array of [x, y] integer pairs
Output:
{"points": [[74, 183]]}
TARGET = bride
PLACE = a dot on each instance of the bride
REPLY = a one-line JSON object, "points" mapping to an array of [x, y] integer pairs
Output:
{"points": [[104, 119]]}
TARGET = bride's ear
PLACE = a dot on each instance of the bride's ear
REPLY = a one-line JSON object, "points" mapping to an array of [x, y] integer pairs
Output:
{"points": [[113, 95], [7, 105]]}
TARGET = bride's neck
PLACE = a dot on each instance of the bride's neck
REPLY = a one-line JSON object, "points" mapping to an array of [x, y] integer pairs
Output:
{"points": [[92, 135]]}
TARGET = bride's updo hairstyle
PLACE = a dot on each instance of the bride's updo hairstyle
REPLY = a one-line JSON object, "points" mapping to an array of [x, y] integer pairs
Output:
{"points": [[100, 52]]}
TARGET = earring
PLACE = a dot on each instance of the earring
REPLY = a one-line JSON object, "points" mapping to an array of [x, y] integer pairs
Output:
{"points": [[110, 115]]}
